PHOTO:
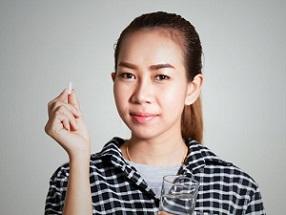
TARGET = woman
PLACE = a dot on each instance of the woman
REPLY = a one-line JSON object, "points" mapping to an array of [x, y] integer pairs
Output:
{"points": [[157, 85]]}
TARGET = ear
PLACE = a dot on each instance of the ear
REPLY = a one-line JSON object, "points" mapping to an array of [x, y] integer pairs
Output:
{"points": [[113, 75], [194, 89]]}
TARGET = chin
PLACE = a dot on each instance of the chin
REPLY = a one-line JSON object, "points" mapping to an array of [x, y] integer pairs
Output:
{"points": [[143, 133]]}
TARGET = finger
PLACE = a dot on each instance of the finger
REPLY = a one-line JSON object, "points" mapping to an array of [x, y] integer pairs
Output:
{"points": [[62, 110], [66, 124], [62, 121], [55, 106], [55, 124], [63, 97], [72, 99]]}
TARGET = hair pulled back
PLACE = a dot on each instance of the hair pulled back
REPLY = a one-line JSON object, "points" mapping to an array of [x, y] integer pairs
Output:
{"points": [[192, 120]]}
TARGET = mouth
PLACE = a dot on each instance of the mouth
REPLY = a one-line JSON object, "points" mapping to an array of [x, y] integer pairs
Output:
{"points": [[142, 117]]}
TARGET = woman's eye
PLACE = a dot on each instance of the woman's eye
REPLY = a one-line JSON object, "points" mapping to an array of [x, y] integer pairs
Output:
{"points": [[126, 75], [162, 77]]}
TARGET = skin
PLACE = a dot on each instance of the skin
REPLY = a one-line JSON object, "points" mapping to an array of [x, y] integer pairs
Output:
{"points": [[67, 127], [159, 90], [153, 82]]}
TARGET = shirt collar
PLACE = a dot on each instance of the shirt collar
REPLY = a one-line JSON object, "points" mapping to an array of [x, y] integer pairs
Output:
{"points": [[111, 153], [198, 156]]}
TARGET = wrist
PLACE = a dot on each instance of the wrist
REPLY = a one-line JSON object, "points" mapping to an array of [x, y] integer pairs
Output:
{"points": [[79, 157]]}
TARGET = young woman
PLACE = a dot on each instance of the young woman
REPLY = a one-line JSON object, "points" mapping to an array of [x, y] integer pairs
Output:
{"points": [[157, 84]]}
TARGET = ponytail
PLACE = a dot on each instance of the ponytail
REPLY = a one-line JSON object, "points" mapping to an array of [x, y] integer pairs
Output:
{"points": [[192, 121]]}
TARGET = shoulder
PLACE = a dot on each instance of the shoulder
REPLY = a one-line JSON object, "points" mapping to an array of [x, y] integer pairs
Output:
{"points": [[215, 169], [222, 181], [229, 170]]}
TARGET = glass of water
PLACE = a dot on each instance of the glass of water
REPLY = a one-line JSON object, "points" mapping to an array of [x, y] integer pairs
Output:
{"points": [[178, 195]]}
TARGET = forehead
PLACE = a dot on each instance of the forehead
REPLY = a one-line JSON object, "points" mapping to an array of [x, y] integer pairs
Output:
{"points": [[157, 44], [173, 34]]}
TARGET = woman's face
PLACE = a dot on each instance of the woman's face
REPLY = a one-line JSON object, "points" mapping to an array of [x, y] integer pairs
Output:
{"points": [[150, 84]]}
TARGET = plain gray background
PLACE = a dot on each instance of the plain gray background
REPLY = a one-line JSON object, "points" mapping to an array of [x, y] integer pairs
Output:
{"points": [[44, 44]]}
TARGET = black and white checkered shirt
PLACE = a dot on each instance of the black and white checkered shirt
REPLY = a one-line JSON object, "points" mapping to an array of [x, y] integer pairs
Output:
{"points": [[117, 188]]}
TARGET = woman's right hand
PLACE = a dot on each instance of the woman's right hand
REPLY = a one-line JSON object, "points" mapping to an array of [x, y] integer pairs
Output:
{"points": [[66, 125]]}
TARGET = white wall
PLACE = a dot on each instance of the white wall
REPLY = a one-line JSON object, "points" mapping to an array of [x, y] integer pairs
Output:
{"points": [[44, 44]]}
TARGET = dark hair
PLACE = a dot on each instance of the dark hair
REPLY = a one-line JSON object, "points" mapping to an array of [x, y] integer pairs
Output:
{"points": [[192, 120]]}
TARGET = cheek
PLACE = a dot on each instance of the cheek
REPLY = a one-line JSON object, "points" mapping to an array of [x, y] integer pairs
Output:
{"points": [[120, 94], [174, 98], [117, 95]]}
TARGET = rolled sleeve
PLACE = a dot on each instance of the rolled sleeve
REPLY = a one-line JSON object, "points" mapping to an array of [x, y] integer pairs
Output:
{"points": [[57, 191]]}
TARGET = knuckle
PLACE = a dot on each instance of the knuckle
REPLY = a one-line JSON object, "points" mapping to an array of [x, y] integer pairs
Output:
{"points": [[60, 110], [50, 105], [74, 110], [47, 128], [57, 102], [58, 114]]}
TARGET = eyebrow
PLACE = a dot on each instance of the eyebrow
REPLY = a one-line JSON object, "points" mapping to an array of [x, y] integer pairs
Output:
{"points": [[152, 67]]}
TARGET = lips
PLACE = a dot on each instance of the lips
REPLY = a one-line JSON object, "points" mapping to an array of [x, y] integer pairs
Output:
{"points": [[142, 117]]}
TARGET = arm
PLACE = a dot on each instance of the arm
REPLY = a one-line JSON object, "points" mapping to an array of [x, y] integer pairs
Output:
{"points": [[78, 197], [66, 126]]}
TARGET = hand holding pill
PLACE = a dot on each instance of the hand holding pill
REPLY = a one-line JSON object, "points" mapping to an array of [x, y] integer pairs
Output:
{"points": [[66, 124]]}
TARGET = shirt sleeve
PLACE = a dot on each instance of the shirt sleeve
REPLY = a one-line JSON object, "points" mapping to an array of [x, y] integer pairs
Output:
{"points": [[56, 193], [255, 206]]}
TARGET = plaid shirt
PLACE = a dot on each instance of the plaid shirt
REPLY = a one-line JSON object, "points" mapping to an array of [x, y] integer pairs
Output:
{"points": [[117, 188]]}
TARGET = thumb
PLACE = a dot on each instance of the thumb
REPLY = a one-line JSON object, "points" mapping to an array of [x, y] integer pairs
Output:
{"points": [[73, 100]]}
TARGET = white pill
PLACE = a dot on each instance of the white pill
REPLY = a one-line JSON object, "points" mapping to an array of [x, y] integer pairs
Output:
{"points": [[70, 87]]}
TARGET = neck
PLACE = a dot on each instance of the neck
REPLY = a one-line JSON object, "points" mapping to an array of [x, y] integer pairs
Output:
{"points": [[159, 151]]}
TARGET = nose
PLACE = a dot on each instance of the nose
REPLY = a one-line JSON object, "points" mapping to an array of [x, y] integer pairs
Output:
{"points": [[142, 93]]}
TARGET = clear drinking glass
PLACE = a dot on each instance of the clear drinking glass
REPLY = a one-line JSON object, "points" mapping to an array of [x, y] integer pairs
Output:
{"points": [[178, 195]]}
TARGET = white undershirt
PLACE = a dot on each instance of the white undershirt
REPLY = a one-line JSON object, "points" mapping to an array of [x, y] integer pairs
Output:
{"points": [[153, 175]]}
